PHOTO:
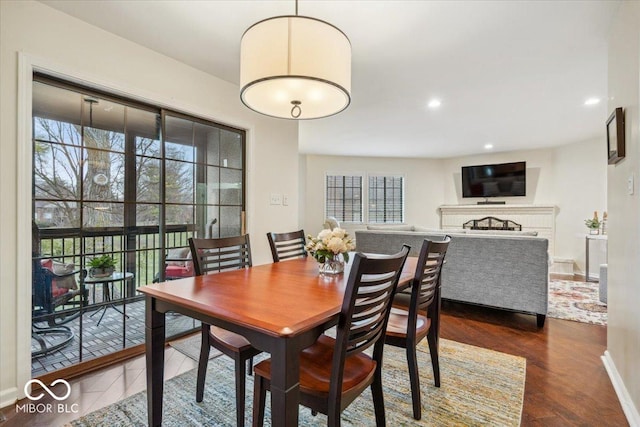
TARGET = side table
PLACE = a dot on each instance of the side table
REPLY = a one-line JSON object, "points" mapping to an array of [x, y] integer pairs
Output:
{"points": [[106, 282], [589, 238]]}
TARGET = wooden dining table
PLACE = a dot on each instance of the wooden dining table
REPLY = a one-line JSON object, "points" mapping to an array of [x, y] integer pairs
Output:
{"points": [[281, 308]]}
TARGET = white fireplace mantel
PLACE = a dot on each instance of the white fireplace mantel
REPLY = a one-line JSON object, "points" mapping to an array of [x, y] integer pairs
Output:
{"points": [[540, 218]]}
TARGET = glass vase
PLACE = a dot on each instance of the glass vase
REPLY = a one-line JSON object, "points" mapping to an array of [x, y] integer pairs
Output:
{"points": [[333, 265]]}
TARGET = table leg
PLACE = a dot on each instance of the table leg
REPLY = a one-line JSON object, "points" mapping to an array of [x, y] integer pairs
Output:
{"points": [[586, 251], [104, 311], [285, 385], [131, 288], [154, 348]]}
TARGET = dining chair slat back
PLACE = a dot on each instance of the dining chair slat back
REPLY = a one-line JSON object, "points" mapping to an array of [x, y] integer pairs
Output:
{"points": [[211, 256], [287, 245], [216, 255], [408, 326], [341, 364]]}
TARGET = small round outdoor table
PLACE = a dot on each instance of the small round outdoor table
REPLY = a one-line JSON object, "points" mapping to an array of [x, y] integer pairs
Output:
{"points": [[106, 282]]}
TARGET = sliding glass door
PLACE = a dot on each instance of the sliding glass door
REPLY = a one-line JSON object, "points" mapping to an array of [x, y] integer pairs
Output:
{"points": [[125, 182]]}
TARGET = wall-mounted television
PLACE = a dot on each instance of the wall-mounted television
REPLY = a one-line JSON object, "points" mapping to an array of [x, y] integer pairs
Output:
{"points": [[497, 180]]}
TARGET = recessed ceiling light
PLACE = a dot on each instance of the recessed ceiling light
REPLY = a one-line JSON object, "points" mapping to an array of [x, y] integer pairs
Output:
{"points": [[488, 146], [434, 103], [592, 101]]}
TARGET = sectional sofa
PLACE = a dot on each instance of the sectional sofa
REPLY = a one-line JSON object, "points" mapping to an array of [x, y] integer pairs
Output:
{"points": [[500, 269]]}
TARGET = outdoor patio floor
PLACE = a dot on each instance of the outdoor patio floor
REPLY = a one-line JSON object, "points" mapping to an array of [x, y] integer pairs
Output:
{"points": [[114, 333]]}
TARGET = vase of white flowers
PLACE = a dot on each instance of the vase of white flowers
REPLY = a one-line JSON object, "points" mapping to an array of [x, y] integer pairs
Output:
{"points": [[331, 249]]}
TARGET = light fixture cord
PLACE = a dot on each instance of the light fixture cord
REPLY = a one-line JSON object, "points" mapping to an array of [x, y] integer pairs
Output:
{"points": [[296, 111]]}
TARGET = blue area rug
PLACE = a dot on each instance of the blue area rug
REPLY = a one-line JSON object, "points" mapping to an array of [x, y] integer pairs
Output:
{"points": [[190, 347], [479, 387]]}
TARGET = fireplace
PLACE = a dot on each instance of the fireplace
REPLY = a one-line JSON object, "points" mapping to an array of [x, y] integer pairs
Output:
{"points": [[492, 223], [538, 218]]}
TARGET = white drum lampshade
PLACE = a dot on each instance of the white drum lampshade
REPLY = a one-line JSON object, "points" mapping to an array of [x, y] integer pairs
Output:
{"points": [[295, 67]]}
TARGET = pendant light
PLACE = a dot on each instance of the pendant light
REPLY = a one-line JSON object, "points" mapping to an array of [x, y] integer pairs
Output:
{"points": [[295, 67]]}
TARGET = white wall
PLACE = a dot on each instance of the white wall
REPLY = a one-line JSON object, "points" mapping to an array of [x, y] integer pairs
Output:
{"points": [[423, 186], [572, 177], [580, 187], [623, 332], [540, 176], [48, 39]]}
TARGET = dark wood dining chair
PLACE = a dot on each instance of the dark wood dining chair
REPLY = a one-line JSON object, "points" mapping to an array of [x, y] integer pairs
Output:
{"points": [[212, 256], [408, 326], [287, 245], [333, 372]]}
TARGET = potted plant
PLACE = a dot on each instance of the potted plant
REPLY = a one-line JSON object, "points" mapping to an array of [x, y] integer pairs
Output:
{"points": [[593, 224], [102, 266]]}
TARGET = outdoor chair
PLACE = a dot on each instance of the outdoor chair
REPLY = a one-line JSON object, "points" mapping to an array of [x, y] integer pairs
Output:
{"points": [[408, 326], [212, 256], [178, 264], [56, 300], [333, 372], [287, 245]]}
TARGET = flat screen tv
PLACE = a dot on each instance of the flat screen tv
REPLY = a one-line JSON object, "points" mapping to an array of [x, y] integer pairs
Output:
{"points": [[497, 180]]}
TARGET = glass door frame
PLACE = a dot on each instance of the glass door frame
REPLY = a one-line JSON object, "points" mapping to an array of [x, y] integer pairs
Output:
{"points": [[130, 205]]}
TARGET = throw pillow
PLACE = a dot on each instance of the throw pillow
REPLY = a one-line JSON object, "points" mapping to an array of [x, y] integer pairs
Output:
{"points": [[178, 256], [61, 268], [399, 227], [503, 232], [438, 230]]}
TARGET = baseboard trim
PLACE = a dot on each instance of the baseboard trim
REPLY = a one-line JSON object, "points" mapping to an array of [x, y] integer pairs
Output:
{"points": [[8, 397], [573, 277], [562, 276], [630, 411]]}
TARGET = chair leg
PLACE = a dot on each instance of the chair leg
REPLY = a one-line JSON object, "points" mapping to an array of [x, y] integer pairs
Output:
{"points": [[414, 378], [378, 399], [333, 418], [45, 347], [250, 366], [240, 391], [202, 363], [259, 398], [435, 359]]}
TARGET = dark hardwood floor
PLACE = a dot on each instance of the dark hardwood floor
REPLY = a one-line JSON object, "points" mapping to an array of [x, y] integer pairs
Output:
{"points": [[566, 383]]}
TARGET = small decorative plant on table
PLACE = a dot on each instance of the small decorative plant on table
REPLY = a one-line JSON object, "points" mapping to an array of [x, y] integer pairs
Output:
{"points": [[593, 224], [102, 266], [331, 249]]}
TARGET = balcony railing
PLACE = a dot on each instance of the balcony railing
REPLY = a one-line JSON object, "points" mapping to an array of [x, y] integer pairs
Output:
{"points": [[136, 250]]}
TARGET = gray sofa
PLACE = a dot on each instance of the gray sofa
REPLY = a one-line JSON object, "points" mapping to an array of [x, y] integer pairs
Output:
{"points": [[507, 271]]}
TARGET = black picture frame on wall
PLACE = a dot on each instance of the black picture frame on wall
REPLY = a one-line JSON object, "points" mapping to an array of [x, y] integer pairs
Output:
{"points": [[615, 136]]}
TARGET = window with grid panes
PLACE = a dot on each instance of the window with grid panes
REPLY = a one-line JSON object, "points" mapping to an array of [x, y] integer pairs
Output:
{"points": [[344, 197], [386, 199]]}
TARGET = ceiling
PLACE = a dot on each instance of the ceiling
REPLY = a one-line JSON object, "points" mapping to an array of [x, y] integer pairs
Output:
{"points": [[514, 74]]}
